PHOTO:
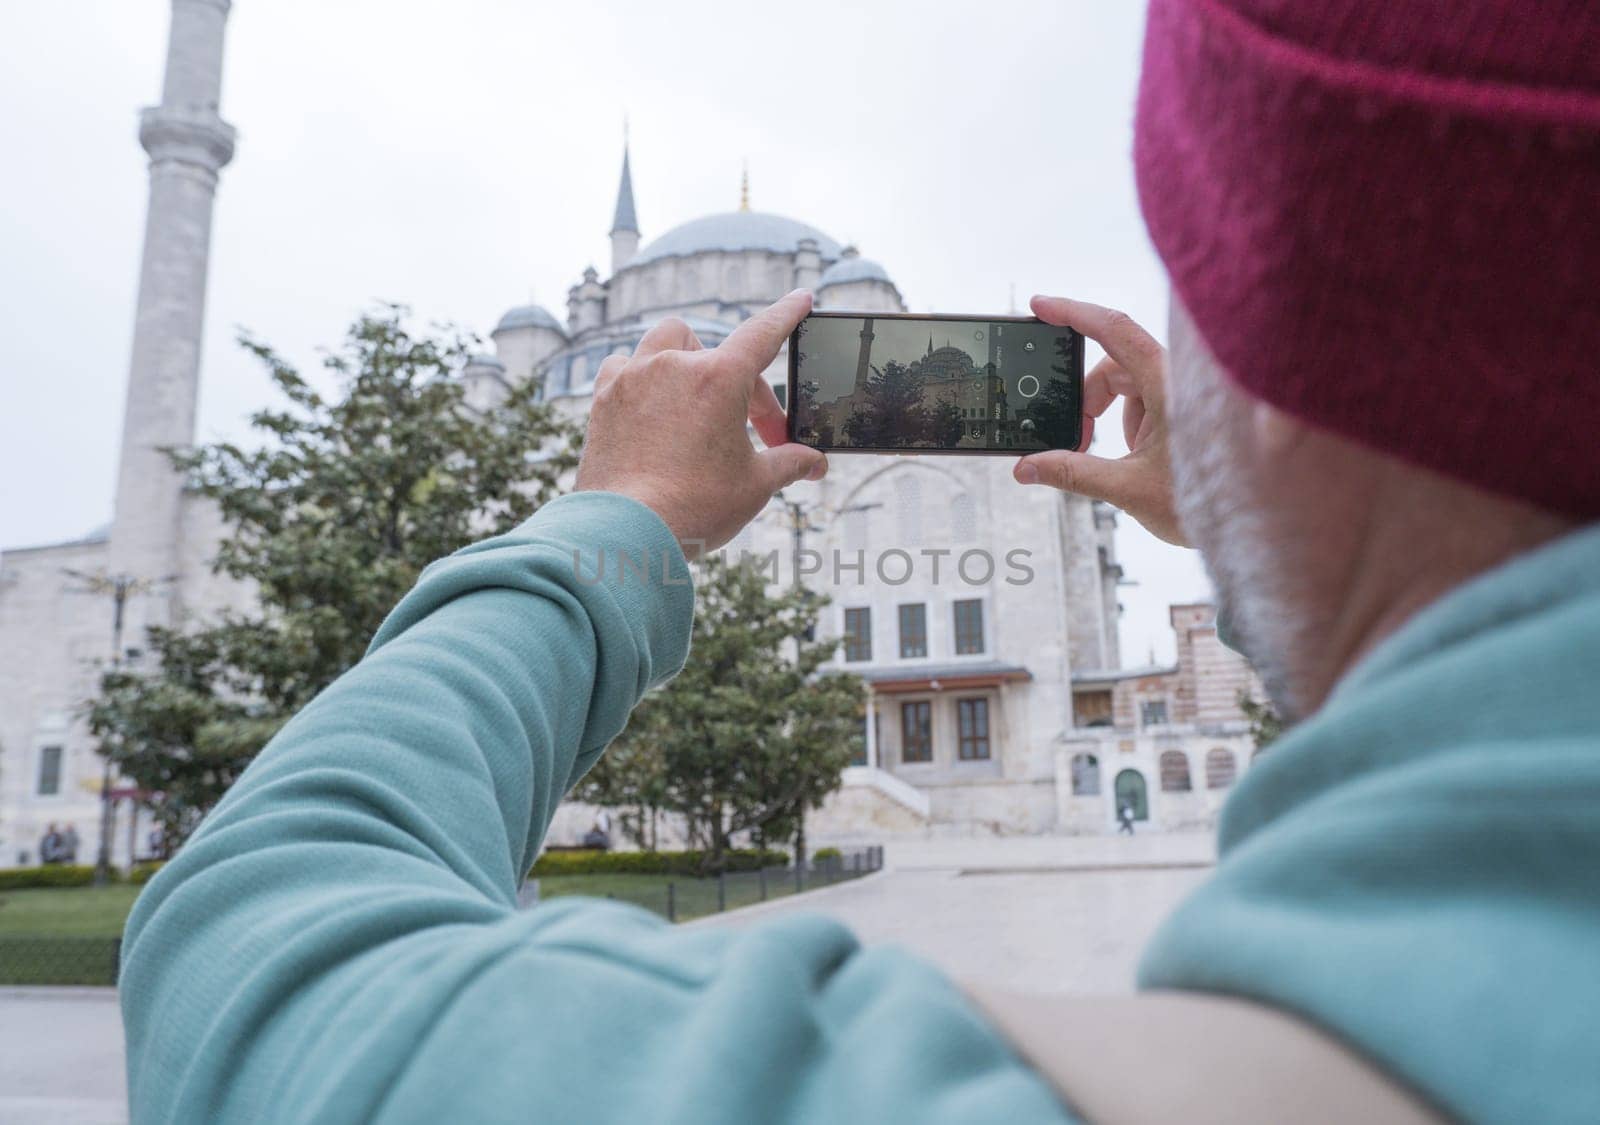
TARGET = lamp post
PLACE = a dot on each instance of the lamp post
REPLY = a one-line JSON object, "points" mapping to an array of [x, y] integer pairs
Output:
{"points": [[121, 587]]}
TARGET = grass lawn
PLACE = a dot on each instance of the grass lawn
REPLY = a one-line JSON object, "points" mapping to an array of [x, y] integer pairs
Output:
{"points": [[67, 935], [74, 911]]}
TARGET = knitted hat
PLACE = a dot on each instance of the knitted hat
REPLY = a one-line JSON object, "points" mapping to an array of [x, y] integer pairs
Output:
{"points": [[1384, 217]]}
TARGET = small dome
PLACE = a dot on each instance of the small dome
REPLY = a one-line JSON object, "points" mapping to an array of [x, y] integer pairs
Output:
{"points": [[529, 316], [851, 266], [482, 359], [736, 230]]}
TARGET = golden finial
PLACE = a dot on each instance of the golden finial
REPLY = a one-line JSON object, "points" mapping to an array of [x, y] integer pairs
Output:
{"points": [[744, 187]]}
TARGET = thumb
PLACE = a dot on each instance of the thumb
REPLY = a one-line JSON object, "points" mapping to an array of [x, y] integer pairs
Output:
{"points": [[785, 464], [1095, 477]]}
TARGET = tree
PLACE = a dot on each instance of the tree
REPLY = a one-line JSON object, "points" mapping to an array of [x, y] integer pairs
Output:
{"points": [[750, 734], [1055, 410], [330, 522], [894, 414], [946, 424], [1265, 723]]}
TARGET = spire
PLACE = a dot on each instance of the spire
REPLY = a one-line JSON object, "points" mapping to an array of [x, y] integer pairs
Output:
{"points": [[744, 187], [625, 220]]}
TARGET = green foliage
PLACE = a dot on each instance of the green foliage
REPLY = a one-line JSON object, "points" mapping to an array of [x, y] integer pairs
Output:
{"points": [[687, 863], [823, 855], [893, 414], [750, 735], [1265, 723], [141, 873], [330, 520], [48, 875]]}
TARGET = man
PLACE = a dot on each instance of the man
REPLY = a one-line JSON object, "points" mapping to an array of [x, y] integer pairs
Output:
{"points": [[50, 845], [1125, 819], [1381, 231], [69, 844]]}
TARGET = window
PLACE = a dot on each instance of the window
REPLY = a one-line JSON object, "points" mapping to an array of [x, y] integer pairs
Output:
{"points": [[913, 630], [972, 727], [1174, 772], [861, 756], [1085, 775], [916, 731], [49, 771], [1091, 708], [858, 634], [1153, 713], [969, 627], [1220, 768]]}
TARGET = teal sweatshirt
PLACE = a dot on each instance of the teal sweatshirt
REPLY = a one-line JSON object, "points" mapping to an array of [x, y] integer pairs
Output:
{"points": [[340, 941], [1416, 870]]}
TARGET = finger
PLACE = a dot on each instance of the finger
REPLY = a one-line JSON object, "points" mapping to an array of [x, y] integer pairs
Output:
{"points": [[668, 335], [755, 343], [1103, 384], [1132, 418], [787, 463], [1124, 341], [771, 424], [1095, 477], [1088, 433], [609, 369]]}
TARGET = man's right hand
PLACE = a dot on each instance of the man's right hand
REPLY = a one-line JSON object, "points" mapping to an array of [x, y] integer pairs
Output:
{"points": [[667, 427], [1134, 368]]}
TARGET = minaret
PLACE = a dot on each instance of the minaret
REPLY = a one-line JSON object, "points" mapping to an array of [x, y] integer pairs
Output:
{"points": [[864, 360], [188, 145], [624, 226]]}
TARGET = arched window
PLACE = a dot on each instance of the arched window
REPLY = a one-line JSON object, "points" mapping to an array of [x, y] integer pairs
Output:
{"points": [[908, 510], [1174, 772], [1220, 768], [964, 518], [1085, 775]]}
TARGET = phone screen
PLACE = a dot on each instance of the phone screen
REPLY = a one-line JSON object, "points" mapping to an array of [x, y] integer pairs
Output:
{"points": [[877, 383]]}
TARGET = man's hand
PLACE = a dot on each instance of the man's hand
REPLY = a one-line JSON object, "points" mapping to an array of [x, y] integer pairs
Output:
{"points": [[1135, 368], [668, 427]]}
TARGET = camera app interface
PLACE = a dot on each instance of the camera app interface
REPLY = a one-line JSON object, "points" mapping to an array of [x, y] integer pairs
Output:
{"points": [[880, 383]]}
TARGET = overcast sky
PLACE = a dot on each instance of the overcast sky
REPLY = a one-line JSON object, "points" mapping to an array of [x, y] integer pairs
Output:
{"points": [[461, 157]]}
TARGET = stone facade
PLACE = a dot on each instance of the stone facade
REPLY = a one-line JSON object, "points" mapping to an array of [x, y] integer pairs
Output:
{"points": [[1167, 741]]}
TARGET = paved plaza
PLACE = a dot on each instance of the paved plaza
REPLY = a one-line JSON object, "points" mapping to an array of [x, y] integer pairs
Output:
{"points": [[1041, 914], [1052, 914]]}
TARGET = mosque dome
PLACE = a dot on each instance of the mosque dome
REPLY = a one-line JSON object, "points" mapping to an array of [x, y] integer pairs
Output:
{"points": [[529, 316], [736, 230], [851, 266]]}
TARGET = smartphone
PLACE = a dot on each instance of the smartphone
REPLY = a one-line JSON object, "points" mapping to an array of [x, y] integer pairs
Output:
{"points": [[906, 382]]}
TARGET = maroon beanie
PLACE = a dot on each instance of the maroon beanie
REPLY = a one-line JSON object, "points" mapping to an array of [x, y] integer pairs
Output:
{"points": [[1384, 217]]}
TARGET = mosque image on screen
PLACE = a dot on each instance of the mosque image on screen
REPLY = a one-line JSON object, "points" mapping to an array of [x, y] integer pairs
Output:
{"points": [[880, 383]]}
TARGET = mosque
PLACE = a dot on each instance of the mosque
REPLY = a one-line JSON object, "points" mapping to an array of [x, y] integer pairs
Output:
{"points": [[982, 616]]}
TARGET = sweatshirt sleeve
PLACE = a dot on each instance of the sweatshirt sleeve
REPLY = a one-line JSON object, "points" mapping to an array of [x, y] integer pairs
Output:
{"points": [[339, 941]]}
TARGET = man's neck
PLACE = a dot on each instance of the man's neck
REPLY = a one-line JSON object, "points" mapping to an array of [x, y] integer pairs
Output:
{"points": [[1428, 537]]}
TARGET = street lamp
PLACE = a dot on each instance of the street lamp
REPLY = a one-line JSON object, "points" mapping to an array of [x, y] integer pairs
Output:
{"points": [[121, 587]]}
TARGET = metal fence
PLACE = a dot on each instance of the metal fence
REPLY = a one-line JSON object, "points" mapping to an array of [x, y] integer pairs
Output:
{"points": [[55, 959], [683, 898], [43, 959]]}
